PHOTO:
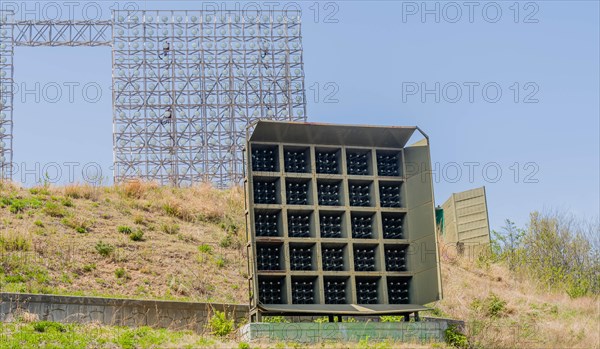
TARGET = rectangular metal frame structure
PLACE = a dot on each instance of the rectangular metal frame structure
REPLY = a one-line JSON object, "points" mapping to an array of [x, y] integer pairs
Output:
{"points": [[416, 210], [186, 85], [6, 93]]}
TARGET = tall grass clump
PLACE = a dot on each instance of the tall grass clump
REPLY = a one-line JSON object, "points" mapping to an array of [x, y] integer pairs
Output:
{"points": [[135, 188], [77, 191]]}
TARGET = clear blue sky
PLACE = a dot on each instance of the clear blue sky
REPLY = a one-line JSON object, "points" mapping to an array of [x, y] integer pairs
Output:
{"points": [[378, 57]]}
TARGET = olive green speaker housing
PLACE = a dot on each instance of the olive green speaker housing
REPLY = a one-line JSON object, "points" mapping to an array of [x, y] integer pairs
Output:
{"points": [[275, 289]]}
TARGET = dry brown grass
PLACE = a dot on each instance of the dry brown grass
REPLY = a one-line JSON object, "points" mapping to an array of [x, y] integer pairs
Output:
{"points": [[81, 191], [136, 188], [532, 316]]}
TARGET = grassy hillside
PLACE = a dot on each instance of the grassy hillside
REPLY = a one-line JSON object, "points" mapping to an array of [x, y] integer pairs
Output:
{"points": [[505, 310], [136, 240], [143, 241]]}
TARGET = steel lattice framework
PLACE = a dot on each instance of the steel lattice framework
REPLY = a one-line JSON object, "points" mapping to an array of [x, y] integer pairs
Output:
{"points": [[6, 93], [62, 33], [186, 84]]}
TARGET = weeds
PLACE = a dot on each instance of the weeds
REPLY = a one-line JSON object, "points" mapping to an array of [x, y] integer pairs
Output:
{"points": [[139, 220], [175, 209], [104, 249], [89, 267], [123, 229], [120, 273], [170, 229], [67, 202], [137, 235], [391, 318], [80, 226], [220, 262], [39, 191], [275, 319], [10, 242], [205, 248], [17, 206], [220, 325], [492, 306], [52, 209], [46, 326], [455, 338], [80, 192], [227, 241]]}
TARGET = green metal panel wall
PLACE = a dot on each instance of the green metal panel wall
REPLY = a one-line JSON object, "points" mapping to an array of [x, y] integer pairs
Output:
{"points": [[466, 218]]}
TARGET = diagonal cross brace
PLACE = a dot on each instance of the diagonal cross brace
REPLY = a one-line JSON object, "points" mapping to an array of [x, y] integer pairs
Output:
{"points": [[62, 33]]}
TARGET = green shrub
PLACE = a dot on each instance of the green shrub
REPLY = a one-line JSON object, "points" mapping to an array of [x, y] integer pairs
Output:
{"points": [[243, 345], [17, 206], [220, 325], [455, 338], [20, 205], [492, 306], [137, 235], [67, 202], [5, 201], [205, 248], [39, 223], [46, 326], [578, 288], [220, 262], [104, 249], [496, 306], [120, 272], [123, 229]]}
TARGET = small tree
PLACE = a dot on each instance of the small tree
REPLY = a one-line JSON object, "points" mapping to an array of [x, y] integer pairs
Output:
{"points": [[507, 243]]}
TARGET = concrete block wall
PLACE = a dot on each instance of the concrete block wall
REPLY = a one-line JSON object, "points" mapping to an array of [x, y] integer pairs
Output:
{"points": [[120, 312]]}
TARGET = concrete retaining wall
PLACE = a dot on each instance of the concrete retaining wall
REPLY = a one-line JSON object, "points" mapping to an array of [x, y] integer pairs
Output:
{"points": [[120, 312], [428, 330]]}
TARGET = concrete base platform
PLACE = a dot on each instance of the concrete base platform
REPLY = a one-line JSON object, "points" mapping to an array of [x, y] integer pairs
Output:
{"points": [[311, 332]]}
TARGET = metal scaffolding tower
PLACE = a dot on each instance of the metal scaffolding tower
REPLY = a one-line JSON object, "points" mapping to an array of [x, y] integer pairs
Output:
{"points": [[186, 84]]}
